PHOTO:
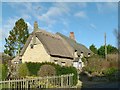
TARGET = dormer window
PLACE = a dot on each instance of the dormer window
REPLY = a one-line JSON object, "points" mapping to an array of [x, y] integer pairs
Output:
{"points": [[75, 54], [63, 63], [56, 61], [88, 54], [31, 46], [81, 56]]}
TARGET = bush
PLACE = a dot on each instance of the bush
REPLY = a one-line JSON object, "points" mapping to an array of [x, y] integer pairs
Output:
{"points": [[110, 71], [37, 66], [93, 64], [47, 70], [59, 69], [4, 71], [23, 70]]}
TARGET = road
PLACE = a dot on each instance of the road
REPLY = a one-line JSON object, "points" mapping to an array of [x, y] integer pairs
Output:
{"points": [[100, 84]]}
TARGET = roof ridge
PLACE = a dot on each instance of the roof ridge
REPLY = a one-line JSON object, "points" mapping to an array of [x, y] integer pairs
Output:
{"points": [[48, 33]]}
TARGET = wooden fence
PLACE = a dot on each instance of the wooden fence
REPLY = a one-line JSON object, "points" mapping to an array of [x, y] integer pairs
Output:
{"points": [[63, 81]]}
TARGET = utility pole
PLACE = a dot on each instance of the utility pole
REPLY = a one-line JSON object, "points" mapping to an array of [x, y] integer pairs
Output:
{"points": [[105, 46]]}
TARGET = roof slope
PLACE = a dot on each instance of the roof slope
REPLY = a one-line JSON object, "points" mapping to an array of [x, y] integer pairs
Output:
{"points": [[77, 46], [26, 44]]}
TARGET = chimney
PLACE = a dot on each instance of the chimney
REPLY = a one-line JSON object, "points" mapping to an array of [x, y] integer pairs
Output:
{"points": [[72, 35], [35, 29], [35, 26]]}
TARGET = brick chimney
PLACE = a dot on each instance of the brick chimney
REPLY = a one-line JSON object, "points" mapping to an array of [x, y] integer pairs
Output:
{"points": [[72, 35]]}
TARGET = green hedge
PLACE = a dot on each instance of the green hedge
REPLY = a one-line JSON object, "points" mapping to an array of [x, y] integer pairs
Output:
{"points": [[34, 68], [23, 70], [4, 71]]}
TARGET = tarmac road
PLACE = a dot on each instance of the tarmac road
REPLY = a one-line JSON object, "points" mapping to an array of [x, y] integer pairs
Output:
{"points": [[101, 84]]}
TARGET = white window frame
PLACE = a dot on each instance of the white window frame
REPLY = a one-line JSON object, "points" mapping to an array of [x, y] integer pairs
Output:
{"points": [[56, 61], [63, 63]]}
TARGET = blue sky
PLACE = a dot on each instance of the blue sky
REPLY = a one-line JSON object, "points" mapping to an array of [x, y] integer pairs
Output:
{"points": [[88, 20]]}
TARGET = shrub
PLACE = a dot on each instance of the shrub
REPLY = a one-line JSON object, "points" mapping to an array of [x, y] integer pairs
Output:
{"points": [[113, 59], [110, 71], [23, 70], [83, 59], [34, 71], [4, 71], [93, 64], [47, 70]]}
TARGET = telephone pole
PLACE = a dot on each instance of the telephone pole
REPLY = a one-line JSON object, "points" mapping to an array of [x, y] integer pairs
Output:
{"points": [[105, 46]]}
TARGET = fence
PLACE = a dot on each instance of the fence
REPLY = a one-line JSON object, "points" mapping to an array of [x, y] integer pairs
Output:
{"points": [[63, 81]]}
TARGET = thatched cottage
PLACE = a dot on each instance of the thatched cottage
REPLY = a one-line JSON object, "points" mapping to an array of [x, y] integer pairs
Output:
{"points": [[42, 46]]}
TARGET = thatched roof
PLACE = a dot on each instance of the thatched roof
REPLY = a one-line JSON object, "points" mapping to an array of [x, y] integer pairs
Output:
{"points": [[26, 44], [53, 44], [76, 46], [57, 44]]}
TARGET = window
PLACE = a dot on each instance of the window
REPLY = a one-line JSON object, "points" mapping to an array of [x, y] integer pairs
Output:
{"points": [[81, 56], [75, 54], [56, 61], [88, 54], [20, 60], [31, 46], [16, 62], [63, 63]]}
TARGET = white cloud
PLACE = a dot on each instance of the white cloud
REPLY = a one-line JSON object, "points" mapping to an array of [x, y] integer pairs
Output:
{"points": [[82, 4], [93, 26], [8, 25], [107, 7], [54, 13], [30, 27], [81, 14]]}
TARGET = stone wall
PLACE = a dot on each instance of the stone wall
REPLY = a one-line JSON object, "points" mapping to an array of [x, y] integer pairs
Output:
{"points": [[36, 54], [68, 62]]}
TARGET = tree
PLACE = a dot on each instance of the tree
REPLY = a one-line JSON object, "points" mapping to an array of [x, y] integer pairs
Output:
{"points": [[17, 38], [110, 50], [93, 49], [101, 51], [5, 58]]}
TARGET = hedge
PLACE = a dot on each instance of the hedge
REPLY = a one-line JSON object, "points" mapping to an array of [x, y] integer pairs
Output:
{"points": [[4, 71], [60, 70], [23, 70]]}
